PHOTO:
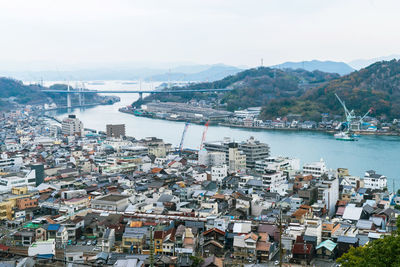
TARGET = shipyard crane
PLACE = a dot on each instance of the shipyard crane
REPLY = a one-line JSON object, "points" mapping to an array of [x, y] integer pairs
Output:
{"points": [[183, 138], [365, 115], [203, 138], [350, 115]]}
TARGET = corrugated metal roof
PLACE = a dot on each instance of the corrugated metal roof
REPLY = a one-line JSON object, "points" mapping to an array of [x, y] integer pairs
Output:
{"points": [[328, 244]]}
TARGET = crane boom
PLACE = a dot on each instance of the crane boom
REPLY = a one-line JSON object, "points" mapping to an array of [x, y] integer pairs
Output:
{"points": [[203, 138], [366, 114], [183, 138], [343, 104]]}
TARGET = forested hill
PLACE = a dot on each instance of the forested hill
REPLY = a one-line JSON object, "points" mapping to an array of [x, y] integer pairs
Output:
{"points": [[376, 86], [253, 87], [13, 92]]}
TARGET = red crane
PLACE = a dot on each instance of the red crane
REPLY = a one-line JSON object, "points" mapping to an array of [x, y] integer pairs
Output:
{"points": [[204, 135]]}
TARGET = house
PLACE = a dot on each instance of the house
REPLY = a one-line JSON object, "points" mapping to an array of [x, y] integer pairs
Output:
{"points": [[244, 247], [24, 238], [327, 250], [352, 212], [263, 248], [134, 239], [169, 242], [107, 242], [301, 251], [345, 243], [213, 261], [214, 240]]}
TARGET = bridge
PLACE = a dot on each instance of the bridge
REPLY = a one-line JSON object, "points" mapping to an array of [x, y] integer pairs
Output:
{"points": [[82, 92]]}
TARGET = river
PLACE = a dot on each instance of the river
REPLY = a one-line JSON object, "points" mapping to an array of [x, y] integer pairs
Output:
{"points": [[379, 153]]}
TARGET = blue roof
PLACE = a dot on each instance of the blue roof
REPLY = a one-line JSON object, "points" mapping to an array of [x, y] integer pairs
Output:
{"points": [[44, 256], [53, 227], [328, 244], [347, 239]]}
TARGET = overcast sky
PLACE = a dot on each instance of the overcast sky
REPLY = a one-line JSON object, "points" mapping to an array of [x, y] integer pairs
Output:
{"points": [[70, 32]]}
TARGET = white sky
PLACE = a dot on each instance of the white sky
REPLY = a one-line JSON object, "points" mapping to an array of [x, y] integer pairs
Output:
{"points": [[235, 32]]}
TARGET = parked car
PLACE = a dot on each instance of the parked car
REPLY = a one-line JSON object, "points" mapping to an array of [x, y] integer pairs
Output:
{"points": [[89, 243], [83, 243], [94, 242]]}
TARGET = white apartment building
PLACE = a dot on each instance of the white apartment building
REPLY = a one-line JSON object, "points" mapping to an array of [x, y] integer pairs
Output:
{"points": [[328, 192], [8, 163], [7, 182], [273, 180], [212, 158], [277, 164], [71, 126], [316, 169], [373, 180], [218, 173]]}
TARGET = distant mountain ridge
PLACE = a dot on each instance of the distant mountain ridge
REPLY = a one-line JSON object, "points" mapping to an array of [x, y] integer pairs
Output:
{"points": [[212, 73], [195, 72], [325, 66], [362, 63]]}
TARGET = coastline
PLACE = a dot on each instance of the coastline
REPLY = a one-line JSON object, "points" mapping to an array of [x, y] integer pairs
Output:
{"points": [[124, 110]]}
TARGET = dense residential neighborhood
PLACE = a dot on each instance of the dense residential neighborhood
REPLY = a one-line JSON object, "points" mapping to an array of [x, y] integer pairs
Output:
{"points": [[70, 195]]}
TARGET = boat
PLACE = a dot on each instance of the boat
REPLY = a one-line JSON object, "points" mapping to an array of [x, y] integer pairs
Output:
{"points": [[344, 136]]}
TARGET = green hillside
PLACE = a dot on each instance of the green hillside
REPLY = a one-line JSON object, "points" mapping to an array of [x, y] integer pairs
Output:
{"points": [[14, 92], [377, 86], [253, 87]]}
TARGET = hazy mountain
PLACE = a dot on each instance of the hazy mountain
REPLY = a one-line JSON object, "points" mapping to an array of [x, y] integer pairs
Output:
{"points": [[362, 63], [194, 72], [325, 66], [210, 73]]}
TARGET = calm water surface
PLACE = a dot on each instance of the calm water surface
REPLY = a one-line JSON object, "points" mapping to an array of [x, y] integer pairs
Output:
{"points": [[380, 153]]}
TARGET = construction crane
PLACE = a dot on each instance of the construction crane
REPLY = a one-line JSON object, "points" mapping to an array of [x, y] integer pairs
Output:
{"points": [[203, 138], [350, 115], [365, 115], [183, 138]]}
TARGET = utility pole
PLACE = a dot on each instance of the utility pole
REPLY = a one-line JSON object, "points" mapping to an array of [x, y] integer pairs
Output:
{"points": [[151, 247], [280, 237]]}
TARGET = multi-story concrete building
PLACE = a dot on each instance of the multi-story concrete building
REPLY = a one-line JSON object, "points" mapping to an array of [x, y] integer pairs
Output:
{"points": [[111, 202], [218, 173], [316, 169], [7, 182], [253, 149], [237, 159], [71, 126], [115, 130], [374, 181]]}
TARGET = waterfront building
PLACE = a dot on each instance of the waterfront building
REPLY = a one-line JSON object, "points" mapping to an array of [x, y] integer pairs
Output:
{"points": [[373, 180], [115, 130], [71, 126], [316, 169]]}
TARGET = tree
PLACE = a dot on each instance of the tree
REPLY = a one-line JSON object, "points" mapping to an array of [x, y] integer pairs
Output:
{"points": [[381, 252]]}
